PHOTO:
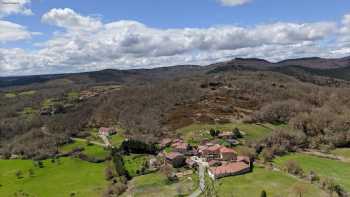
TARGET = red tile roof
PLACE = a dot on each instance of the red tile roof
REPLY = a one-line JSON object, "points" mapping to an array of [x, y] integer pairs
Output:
{"points": [[244, 159], [180, 145], [214, 148], [229, 168], [106, 130], [227, 150]]}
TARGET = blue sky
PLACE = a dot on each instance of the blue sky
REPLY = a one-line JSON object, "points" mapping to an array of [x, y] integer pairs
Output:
{"points": [[50, 36]]}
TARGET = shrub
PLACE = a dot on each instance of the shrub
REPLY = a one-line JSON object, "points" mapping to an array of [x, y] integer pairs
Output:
{"points": [[237, 133], [294, 168], [214, 132]]}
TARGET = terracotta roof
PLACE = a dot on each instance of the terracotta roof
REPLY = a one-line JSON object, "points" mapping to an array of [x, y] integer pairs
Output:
{"points": [[243, 158], [180, 145], [227, 150], [229, 168], [214, 148], [106, 130], [214, 162], [173, 155], [190, 161]]}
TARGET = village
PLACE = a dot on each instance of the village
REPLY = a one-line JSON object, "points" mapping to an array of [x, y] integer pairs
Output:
{"points": [[218, 160]]}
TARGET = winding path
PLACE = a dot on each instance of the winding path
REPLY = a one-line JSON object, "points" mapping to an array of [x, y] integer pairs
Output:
{"points": [[92, 142], [202, 166]]}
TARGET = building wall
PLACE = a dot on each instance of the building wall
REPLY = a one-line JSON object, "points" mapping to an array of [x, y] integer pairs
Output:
{"points": [[211, 175], [228, 156]]}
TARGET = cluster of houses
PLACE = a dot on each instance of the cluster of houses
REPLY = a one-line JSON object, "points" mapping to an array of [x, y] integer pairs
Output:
{"points": [[221, 161]]}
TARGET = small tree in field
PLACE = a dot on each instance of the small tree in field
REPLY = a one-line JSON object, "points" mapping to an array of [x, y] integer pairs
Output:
{"points": [[214, 132], [237, 133], [19, 174], [263, 194], [31, 172], [299, 189], [109, 173], [293, 167]]}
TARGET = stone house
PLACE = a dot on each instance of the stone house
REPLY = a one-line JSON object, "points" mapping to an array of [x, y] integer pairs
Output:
{"points": [[175, 159], [107, 131], [230, 169]]}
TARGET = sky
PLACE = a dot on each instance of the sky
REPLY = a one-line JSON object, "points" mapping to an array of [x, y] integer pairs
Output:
{"points": [[60, 36]]}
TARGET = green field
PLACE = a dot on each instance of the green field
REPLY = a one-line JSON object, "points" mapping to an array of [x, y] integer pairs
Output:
{"points": [[134, 163], [156, 184], [337, 170], [15, 94], [89, 150], [10, 95], [117, 140], [197, 132], [54, 179], [273, 182], [27, 93], [342, 152]]}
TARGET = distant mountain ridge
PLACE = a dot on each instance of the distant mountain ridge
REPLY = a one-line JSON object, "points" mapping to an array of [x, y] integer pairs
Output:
{"points": [[335, 68], [309, 62]]}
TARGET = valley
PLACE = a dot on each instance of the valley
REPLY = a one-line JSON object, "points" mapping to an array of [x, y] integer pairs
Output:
{"points": [[52, 131]]}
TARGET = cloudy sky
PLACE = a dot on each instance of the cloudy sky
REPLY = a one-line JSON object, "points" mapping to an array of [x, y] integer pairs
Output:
{"points": [[57, 36]]}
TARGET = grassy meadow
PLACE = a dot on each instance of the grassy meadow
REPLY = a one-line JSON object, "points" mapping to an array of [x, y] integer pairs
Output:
{"points": [[342, 152], [337, 170], [197, 132], [134, 163], [91, 150], [63, 178], [156, 184], [273, 182]]}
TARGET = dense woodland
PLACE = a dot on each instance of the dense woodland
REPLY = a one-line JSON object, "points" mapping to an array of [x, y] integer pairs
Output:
{"points": [[154, 103]]}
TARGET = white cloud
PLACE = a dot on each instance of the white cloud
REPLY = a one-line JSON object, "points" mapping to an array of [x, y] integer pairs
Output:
{"points": [[8, 7], [234, 2], [343, 39], [69, 19], [13, 32], [89, 44]]}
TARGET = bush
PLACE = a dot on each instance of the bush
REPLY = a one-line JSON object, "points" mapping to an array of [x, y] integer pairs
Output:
{"points": [[237, 133], [267, 155], [281, 142], [214, 132], [115, 189], [294, 168]]}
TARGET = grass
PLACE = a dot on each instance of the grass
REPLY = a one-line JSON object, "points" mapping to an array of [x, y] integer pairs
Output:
{"points": [[273, 182], [134, 163], [28, 111], [54, 180], [156, 184], [50, 102], [197, 132], [117, 140], [10, 95], [73, 96], [89, 150], [342, 152], [27, 93], [337, 170]]}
